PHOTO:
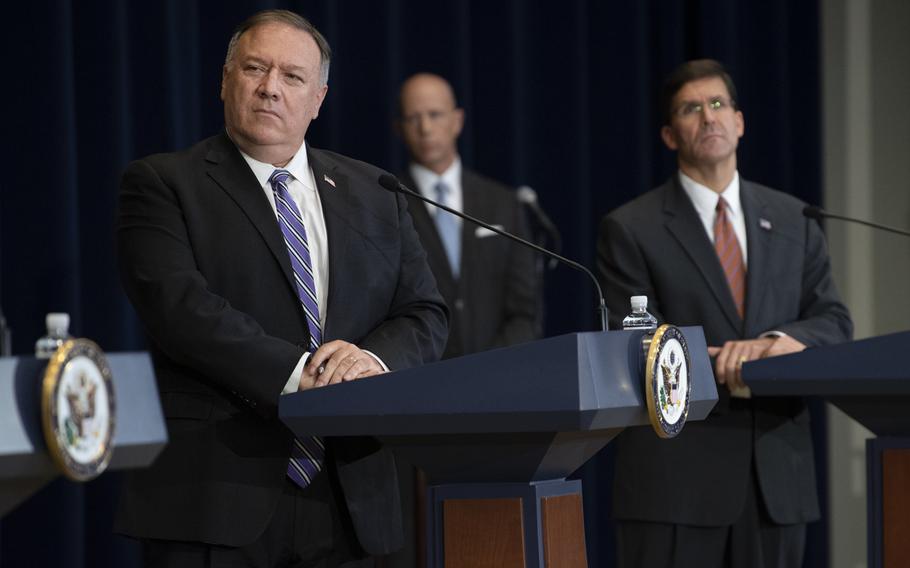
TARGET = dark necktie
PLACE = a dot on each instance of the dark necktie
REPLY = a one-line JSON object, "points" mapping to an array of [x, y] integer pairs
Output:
{"points": [[731, 256], [308, 452]]}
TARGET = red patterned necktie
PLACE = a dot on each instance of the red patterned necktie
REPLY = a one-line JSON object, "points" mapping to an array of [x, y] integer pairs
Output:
{"points": [[731, 256]]}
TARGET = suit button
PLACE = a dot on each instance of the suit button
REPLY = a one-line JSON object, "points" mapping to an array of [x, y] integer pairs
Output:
{"points": [[459, 304]]}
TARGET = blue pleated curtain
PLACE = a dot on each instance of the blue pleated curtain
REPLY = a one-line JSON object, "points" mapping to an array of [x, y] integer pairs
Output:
{"points": [[560, 96]]}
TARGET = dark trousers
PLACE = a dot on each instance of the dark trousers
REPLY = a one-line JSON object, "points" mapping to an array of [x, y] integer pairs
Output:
{"points": [[308, 530], [753, 541]]}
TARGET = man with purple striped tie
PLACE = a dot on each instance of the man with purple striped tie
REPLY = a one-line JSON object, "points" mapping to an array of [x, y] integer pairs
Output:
{"points": [[260, 266], [710, 248]]}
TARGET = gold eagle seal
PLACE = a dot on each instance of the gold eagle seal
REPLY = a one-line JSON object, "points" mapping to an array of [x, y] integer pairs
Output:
{"points": [[667, 383], [78, 409]]}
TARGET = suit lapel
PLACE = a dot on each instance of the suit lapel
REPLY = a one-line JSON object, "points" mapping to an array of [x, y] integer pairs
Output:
{"points": [[685, 225], [334, 195], [473, 202], [229, 170], [429, 236], [759, 224]]}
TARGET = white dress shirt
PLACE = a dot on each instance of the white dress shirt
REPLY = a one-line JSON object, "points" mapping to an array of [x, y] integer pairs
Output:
{"points": [[427, 179], [705, 201], [302, 187]]}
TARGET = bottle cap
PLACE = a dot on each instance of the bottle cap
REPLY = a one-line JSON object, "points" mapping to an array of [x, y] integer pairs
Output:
{"points": [[639, 302], [57, 321]]}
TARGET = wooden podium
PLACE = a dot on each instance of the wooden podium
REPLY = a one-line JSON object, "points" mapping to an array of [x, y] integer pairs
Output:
{"points": [[498, 432], [870, 381], [26, 467]]}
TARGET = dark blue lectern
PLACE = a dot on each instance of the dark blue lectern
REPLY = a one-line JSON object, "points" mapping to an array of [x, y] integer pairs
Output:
{"points": [[870, 381], [26, 467], [498, 432]]}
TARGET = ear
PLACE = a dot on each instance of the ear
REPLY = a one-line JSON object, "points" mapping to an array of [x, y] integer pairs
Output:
{"points": [[740, 124], [224, 72], [319, 98], [669, 137], [459, 121]]}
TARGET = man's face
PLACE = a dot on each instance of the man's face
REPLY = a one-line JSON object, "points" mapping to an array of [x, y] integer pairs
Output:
{"points": [[704, 127], [272, 90], [430, 123]]}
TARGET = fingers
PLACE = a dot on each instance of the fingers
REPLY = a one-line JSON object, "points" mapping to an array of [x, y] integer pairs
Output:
{"points": [[730, 358], [338, 361], [334, 358], [727, 363], [784, 345]]}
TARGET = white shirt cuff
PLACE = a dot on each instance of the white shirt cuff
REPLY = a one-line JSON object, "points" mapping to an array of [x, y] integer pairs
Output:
{"points": [[773, 333], [293, 384], [378, 360]]}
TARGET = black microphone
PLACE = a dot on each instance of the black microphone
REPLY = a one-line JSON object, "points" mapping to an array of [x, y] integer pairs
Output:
{"points": [[527, 196], [392, 184], [5, 343], [813, 212]]}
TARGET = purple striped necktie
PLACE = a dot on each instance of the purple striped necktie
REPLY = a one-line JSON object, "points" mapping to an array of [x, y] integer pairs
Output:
{"points": [[308, 452], [731, 256]]}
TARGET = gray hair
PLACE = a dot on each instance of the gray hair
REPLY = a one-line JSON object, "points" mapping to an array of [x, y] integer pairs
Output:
{"points": [[291, 19]]}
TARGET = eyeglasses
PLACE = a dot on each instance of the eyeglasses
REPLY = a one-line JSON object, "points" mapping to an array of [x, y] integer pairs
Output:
{"points": [[716, 104]]}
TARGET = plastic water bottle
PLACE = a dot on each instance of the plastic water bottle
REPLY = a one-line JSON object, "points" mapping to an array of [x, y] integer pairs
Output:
{"points": [[57, 332], [640, 318]]}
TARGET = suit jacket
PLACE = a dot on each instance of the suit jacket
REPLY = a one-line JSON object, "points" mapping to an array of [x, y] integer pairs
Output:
{"points": [[496, 299], [656, 245], [204, 263]]}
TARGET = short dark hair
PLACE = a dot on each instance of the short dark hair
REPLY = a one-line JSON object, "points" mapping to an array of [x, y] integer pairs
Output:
{"points": [[291, 19], [692, 71]]}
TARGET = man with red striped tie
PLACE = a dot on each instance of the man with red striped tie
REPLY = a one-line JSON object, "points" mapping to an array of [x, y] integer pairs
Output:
{"points": [[710, 248]]}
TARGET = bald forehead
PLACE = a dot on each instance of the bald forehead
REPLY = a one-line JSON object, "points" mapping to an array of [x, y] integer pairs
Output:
{"points": [[427, 85]]}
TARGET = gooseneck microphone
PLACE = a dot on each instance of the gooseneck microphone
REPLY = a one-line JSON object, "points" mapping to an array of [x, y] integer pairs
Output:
{"points": [[392, 184], [528, 197], [813, 212]]}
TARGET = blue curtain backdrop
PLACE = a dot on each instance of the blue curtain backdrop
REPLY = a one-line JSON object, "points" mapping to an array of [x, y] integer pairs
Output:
{"points": [[560, 96]]}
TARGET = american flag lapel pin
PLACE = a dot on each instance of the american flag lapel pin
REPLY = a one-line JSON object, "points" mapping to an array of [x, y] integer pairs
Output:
{"points": [[764, 224], [328, 180]]}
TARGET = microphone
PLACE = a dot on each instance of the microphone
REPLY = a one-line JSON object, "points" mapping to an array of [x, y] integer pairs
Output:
{"points": [[5, 343], [813, 212], [392, 184], [527, 196]]}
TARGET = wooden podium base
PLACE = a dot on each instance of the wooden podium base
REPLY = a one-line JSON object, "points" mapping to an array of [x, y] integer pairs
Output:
{"points": [[888, 494], [506, 525]]}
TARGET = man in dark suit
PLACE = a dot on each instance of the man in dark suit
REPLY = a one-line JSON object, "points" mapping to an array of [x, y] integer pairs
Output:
{"points": [[709, 248], [491, 284], [261, 266]]}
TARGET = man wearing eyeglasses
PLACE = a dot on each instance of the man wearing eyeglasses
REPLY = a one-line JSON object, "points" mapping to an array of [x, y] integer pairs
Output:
{"points": [[710, 248]]}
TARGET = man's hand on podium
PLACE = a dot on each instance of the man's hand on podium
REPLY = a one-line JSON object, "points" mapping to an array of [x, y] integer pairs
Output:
{"points": [[338, 361], [729, 359]]}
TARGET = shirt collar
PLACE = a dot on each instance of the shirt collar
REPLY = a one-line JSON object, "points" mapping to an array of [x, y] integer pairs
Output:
{"points": [[299, 167], [705, 199], [426, 179]]}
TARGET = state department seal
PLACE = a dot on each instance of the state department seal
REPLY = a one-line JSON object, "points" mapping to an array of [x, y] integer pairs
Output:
{"points": [[78, 409], [667, 382]]}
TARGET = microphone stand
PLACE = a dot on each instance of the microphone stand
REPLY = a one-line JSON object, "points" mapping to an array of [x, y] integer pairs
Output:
{"points": [[391, 183], [819, 213]]}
